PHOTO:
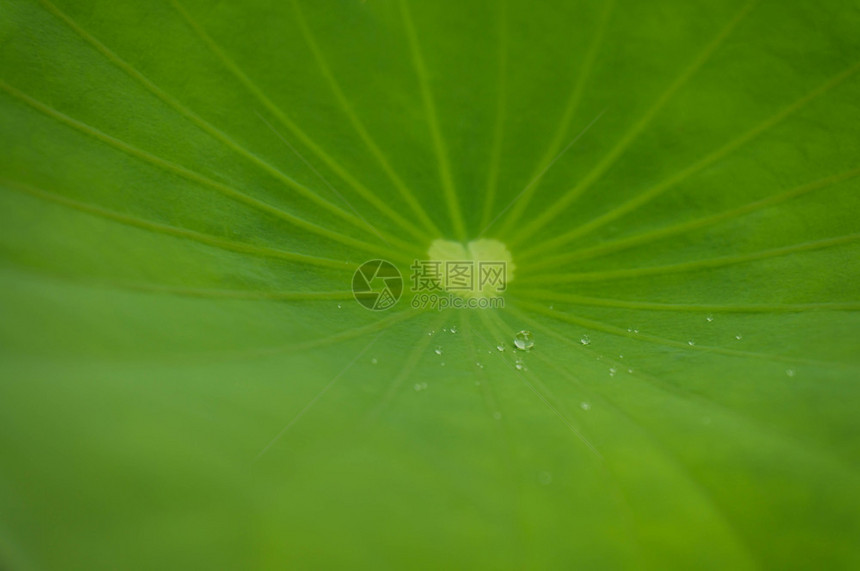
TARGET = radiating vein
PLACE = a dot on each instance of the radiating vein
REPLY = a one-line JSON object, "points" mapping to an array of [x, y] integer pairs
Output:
{"points": [[235, 294], [206, 126], [655, 191], [616, 485], [368, 140], [496, 330], [612, 156], [448, 187], [687, 307], [626, 273], [292, 126], [198, 178], [184, 291], [158, 228], [335, 338], [317, 397], [540, 174], [325, 181], [684, 227], [676, 391], [493, 408], [670, 458], [487, 392], [552, 152], [419, 348], [620, 332], [499, 124]]}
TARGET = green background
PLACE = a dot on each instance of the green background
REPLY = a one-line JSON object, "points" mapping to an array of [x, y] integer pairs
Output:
{"points": [[186, 189]]}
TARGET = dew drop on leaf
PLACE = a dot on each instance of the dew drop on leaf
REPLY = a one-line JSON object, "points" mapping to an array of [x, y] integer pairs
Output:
{"points": [[524, 340]]}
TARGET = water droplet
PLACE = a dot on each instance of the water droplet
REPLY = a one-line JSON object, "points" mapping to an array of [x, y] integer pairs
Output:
{"points": [[479, 364], [739, 336], [339, 306], [431, 332], [497, 415], [444, 330], [691, 342], [585, 340], [585, 406], [620, 356], [453, 330], [438, 350], [374, 361], [612, 371], [630, 371], [790, 372], [524, 340], [545, 478], [709, 318], [500, 347], [520, 365], [636, 331]]}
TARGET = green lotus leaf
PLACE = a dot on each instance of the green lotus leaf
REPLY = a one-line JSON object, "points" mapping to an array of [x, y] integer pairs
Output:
{"points": [[188, 187]]}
